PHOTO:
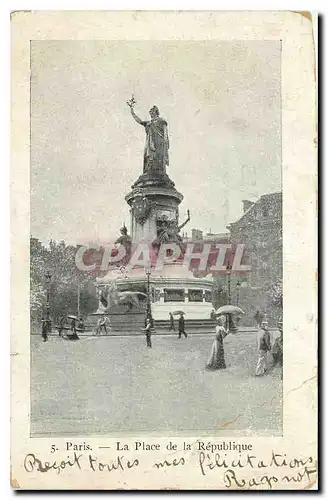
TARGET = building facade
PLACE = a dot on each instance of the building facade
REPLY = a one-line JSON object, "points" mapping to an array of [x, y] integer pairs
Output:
{"points": [[260, 230]]}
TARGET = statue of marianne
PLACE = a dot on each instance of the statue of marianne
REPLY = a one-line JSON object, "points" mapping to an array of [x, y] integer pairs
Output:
{"points": [[156, 154]]}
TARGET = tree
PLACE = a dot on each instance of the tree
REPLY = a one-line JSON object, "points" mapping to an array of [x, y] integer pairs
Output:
{"points": [[37, 285], [59, 260], [275, 294]]}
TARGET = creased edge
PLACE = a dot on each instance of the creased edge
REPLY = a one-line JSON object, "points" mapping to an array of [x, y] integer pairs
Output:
{"points": [[304, 13], [15, 13], [14, 483]]}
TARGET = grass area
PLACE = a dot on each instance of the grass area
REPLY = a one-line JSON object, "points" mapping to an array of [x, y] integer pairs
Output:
{"points": [[107, 385]]}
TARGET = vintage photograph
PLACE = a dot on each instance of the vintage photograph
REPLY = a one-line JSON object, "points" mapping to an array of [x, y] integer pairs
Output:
{"points": [[156, 238], [163, 251]]}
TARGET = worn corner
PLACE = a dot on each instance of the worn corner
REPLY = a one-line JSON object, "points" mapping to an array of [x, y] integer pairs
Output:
{"points": [[313, 485], [14, 483], [304, 13], [16, 13]]}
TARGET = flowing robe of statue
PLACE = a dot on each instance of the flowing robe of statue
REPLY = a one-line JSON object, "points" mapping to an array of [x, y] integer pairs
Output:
{"points": [[156, 153]]}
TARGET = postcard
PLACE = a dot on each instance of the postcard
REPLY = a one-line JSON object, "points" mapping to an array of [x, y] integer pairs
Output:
{"points": [[164, 251]]}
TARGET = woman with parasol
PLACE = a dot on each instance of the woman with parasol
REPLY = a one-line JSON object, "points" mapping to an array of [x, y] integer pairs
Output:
{"points": [[229, 311], [216, 360]]}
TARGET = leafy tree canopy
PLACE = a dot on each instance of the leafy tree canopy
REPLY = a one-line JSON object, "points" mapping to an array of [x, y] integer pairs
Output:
{"points": [[59, 260]]}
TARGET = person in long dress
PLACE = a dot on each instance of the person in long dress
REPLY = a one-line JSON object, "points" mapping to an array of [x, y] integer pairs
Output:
{"points": [[263, 346], [216, 360]]}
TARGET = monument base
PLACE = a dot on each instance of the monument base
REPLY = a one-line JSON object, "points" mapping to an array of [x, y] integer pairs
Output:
{"points": [[147, 180], [149, 205], [172, 289]]}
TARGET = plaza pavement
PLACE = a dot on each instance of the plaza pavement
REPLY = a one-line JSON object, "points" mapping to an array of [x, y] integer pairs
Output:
{"points": [[115, 386]]}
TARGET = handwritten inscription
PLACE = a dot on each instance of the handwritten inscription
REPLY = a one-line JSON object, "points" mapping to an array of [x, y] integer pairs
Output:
{"points": [[34, 464], [278, 469], [208, 462], [232, 480], [232, 473], [167, 463], [119, 464]]}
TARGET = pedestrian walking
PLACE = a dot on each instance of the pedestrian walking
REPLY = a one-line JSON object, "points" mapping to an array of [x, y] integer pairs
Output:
{"points": [[277, 348], [172, 328], [104, 323], [61, 325], [263, 346], [216, 360], [148, 332], [74, 335], [258, 318], [181, 325], [48, 326], [44, 330]]}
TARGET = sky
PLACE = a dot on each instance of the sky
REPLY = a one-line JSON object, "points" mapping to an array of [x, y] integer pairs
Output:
{"points": [[222, 104]]}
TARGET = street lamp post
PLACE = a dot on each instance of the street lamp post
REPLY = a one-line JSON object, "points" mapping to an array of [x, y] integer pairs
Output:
{"points": [[48, 283], [217, 295], [232, 326], [78, 298], [238, 290], [228, 270], [148, 313]]}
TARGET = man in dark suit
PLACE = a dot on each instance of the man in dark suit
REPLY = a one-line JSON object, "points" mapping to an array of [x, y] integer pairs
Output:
{"points": [[277, 349], [181, 324], [44, 326], [148, 332]]}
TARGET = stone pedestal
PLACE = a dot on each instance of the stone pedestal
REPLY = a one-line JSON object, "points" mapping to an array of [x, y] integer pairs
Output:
{"points": [[172, 288], [160, 179], [149, 204]]}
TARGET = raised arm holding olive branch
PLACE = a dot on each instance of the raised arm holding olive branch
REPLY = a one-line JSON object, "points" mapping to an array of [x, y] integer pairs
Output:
{"points": [[131, 103]]}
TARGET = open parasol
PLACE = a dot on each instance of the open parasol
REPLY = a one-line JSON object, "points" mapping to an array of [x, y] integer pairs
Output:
{"points": [[176, 313], [228, 309], [71, 316]]}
